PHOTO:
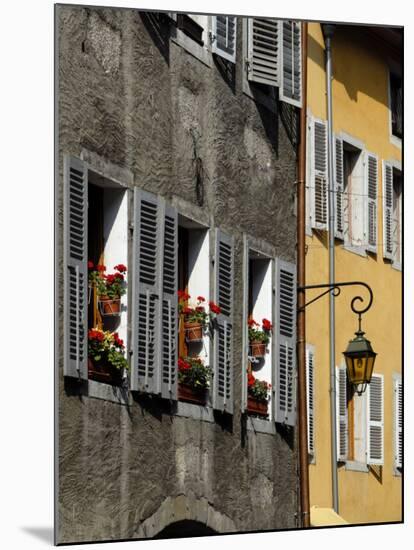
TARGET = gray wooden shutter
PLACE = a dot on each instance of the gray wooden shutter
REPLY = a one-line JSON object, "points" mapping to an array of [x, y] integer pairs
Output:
{"points": [[146, 303], [398, 414], [224, 34], [341, 415], [263, 50], [320, 175], [245, 334], [290, 65], [375, 418], [285, 342], [169, 302], [310, 370], [387, 191], [339, 188], [223, 337], [372, 192], [75, 268]]}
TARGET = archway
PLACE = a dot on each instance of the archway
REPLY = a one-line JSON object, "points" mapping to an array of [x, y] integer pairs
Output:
{"points": [[185, 528]]}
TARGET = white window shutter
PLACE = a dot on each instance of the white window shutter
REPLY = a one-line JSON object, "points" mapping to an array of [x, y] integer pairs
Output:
{"points": [[224, 33], [309, 175], [223, 336], [169, 302], [310, 371], [341, 414], [245, 334], [146, 293], [371, 188], [284, 342], [290, 62], [387, 191], [263, 50], [339, 189], [75, 362], [375, 420], [398, 415], [320, 175]]}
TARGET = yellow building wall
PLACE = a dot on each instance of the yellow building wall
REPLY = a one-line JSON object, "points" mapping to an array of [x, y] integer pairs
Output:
{"points": [[360, 108]]}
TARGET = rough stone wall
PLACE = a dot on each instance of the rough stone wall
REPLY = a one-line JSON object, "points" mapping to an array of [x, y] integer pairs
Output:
{"points": [[132, 96]]}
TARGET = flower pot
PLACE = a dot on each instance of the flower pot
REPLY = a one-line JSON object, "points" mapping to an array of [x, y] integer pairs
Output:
{"points": [[192, 395], [193, 332], [257, 349], [100, 371], [109, 306], [256, 407]]}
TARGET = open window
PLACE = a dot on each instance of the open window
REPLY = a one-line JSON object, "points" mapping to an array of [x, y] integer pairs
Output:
{"points": [[396, 105], [392, 212], [194, 280]]}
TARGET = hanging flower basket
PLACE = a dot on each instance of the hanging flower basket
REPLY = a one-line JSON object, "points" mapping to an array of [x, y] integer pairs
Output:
{"points": [[256, 407], [257, 349], [193, 332], [102, 371], [109, 306], [191, 395]]}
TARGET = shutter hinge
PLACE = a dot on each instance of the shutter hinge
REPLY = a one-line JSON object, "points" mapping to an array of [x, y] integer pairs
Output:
{"points": [[131, 227]]}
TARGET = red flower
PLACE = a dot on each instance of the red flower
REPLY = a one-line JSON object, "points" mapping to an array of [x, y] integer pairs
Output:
{"points": [[121, 267], [188, 311], [110, 279], [200, 299], [118, 341], [90, 265], [182, 295], [183, 365], [96, 335], [200, 309], [214, 308], [119, 276], [250, 379], [101, 267], [267, 325], [252, 323]]}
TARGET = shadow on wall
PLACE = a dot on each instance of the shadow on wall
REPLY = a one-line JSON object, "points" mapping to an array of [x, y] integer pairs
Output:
{"points": [[185, 528], [158, 28]]}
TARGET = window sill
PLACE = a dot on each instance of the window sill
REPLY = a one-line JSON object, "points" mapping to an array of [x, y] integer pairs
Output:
{"points": [[197, 51], [260, 425], [358, 250], [396, 266], [354, 466], [395, 140], [196, 412], [115, 394], [397, 472]]}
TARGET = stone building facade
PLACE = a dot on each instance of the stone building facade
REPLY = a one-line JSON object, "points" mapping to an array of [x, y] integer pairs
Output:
{"points": [[157, 120]]}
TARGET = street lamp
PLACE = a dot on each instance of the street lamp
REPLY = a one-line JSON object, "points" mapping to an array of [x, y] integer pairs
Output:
{"points": [[360, 359]]}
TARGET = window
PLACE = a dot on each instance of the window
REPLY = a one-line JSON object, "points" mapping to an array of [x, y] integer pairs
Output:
{"points": [[310, 399], [396, 105], [392, 212], [353, 197], [398, 414], [360, 421]]}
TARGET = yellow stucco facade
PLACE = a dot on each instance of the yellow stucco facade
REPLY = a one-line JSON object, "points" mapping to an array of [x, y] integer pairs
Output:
{"points": [[361, 110]]}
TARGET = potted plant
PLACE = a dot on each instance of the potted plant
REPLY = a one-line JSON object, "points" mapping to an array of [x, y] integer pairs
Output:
{"points": [[257, 395], [197, 317], [259, 337], [109, 288], [106, 356], [193, 380]]}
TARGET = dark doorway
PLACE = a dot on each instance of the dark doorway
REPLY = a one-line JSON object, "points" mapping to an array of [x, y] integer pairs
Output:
{"points": [[185, 528]]}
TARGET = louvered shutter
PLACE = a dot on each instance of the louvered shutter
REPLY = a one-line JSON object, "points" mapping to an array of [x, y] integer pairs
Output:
{"points": [[310, 369], [169, 304], [284, 342], [387, 191], [320, 175], [223, 336], [398, 414], [290, 66], [263, 51], [224, 36], [371, 192], [375, 418], [245, 336], [75, 268], [146, 304], [339, 188], [341, 414]]}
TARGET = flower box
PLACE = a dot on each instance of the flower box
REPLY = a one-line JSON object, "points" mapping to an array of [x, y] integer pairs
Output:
{"points": [[101, 371], [193, 332], [257, 349], [256, 407], [109, 306], [191, 395]]}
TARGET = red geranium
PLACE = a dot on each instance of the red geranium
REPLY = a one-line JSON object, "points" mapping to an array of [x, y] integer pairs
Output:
{"points": [[182, 295], [183, 365], [121, 267], [96, 335], [250, 379], [187, 311], [201, 299], [200, 309], [252, 323], [267, 325], [90, 265], [101, 267], [214, 308], [119, 276]]}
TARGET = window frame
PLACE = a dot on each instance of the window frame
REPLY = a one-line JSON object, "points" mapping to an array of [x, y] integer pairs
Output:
{"points": [[395, 140]]}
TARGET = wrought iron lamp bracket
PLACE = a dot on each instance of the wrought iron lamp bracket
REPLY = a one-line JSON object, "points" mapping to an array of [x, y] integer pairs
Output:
{"points": [[335, 288]]}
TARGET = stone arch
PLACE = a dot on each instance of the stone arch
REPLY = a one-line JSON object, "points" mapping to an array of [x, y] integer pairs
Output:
{"points": [[184, 508]]}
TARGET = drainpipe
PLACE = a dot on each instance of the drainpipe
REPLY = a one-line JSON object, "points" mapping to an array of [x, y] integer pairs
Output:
{"points": [[301, 335], [328, 31]]}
